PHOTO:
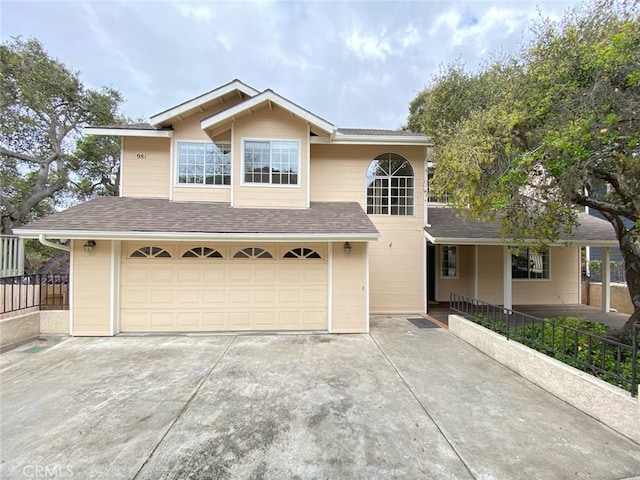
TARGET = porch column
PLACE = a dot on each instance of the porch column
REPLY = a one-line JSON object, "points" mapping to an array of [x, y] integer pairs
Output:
{"points": [[507, 299], [606, 279], [475, 271]]}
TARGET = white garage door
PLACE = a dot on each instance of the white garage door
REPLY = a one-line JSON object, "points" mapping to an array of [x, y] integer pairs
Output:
{"points": [[175, 288]]}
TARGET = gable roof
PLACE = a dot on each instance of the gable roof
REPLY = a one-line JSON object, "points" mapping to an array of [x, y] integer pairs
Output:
{"points": [[268, 97], [447, 227], [153, 218], [235, 86]]}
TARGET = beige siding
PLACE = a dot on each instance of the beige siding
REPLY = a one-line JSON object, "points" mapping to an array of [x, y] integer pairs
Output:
{"points": [[224, 294], [562, 287], [269, 124], [201, 194], [338, 173], [349, 289], [463, 284], [148, 176], [91, 273], [189, 128]]}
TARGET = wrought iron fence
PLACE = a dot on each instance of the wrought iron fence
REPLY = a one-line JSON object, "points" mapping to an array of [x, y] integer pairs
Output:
{"points": [[608, 359], [42, 291]]}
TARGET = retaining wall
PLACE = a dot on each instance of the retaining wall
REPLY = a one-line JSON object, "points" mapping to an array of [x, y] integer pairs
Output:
{"points": [[610, 405]]}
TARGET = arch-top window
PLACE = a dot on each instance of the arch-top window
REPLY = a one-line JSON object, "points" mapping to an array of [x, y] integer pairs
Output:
{"points": [[390, 185], [150, 252], [202, 252], [301, 253], [252, 252]]}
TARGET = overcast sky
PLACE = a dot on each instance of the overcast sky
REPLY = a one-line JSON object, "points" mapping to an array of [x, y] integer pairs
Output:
{"points": [[356, 64]]}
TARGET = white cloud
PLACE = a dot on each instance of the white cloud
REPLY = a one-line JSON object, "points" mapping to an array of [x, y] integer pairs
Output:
{"points": [[200, 12], [367, 46]]}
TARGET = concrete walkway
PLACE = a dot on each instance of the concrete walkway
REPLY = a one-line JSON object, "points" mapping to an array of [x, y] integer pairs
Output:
{"points": [[404, 402]]}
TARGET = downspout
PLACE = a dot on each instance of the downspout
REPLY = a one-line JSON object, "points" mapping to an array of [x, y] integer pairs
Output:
{"points": [[47, 243]]}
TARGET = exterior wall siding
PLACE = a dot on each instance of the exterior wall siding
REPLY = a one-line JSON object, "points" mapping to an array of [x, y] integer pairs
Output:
{"points": [[91, 289], [562, 287], [349, 313], [396, 272], [269, 124], [148, 176]]}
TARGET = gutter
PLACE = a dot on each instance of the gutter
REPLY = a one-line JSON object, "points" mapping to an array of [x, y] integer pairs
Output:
{"points": [[43, 240]]}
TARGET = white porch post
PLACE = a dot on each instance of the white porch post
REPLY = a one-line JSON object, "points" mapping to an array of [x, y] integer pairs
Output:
{"points": [[507, 294], [475, 272], [606, 279]]}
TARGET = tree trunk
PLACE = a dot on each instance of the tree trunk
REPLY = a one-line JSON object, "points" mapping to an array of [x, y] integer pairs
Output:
{"points": [[630, 249]]}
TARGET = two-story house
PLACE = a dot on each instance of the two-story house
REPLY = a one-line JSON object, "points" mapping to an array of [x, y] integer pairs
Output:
{"points": [[242, 211]]}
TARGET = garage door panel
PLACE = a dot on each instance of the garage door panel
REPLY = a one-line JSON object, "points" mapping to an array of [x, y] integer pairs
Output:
{"points": [[215, 320], [163, 297], [217, 295], [189, 319], [189, 274], [265, 320], [189, 297], [214, 274], [315, 296], [203, 294], [162, 319], [135, 298], [289, 296]]}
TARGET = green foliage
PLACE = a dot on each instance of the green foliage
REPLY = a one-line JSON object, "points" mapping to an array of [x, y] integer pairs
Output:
{"points": [[43, 106], [528, 138], [574, 341]]}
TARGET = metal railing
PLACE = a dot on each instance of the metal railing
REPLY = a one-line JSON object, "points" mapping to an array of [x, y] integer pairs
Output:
{"points": [[603, 357], [48, 291]]}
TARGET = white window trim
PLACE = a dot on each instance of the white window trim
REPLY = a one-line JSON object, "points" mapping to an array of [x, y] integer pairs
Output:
{"points": [[366, 187], [537, 280], [269, 185], [176, 165], [441, 259]]}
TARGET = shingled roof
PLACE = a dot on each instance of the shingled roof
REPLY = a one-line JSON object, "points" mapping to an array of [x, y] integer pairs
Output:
{"points": [[123, 217], [447, 227]]}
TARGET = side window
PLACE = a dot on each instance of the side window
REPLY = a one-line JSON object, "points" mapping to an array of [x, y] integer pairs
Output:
{"points": [[390, 186], [449, 261], [530, 264], [272, 162], [202, 163]]}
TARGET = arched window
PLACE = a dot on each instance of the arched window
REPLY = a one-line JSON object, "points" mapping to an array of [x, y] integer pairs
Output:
{"points": [[301, 253], [202, 252], [150, 252], [390, 185], [252, 252]]}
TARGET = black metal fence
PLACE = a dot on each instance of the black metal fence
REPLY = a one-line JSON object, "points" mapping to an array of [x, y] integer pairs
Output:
{"points": [[39, 291], [589, 351]]}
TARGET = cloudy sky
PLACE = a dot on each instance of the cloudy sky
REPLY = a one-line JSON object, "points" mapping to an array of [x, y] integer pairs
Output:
{"points": [[354, 63]]}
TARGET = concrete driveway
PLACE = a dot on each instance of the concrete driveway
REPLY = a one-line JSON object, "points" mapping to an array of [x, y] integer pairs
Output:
{"points": [[404, 402]]}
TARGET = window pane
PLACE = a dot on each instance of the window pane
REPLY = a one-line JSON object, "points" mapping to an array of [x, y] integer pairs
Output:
{"points": [[198, 163], [390, 186]]}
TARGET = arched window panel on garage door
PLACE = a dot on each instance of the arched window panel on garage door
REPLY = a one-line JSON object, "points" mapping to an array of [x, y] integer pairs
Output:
{"points": [[252, 252], [150, 252], [301, 253], [202, 252]]}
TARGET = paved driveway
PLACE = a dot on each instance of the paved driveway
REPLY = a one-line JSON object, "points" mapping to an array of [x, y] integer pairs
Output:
{"points": [[404, 402]]}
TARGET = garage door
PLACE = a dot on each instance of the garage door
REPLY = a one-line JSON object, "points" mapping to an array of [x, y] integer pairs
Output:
{"points": [[175, 288]]}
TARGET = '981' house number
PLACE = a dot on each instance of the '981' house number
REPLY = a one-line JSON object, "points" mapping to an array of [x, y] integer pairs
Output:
{"points": [[141, 156]]}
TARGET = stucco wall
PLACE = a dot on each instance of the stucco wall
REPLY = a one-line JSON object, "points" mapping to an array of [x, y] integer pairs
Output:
{"points": [[609, 404], [620, 299]]}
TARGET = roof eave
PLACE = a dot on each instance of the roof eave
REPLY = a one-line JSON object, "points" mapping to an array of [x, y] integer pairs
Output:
{"points": [[199, 236], [267, 96], [373, 140], [127, 132], [194, 103], [499, 241]]}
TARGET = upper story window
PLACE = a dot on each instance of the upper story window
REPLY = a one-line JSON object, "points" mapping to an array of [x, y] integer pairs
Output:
{"points": [[530, 264], [272, 162], [390, 185], [202, 163]]}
